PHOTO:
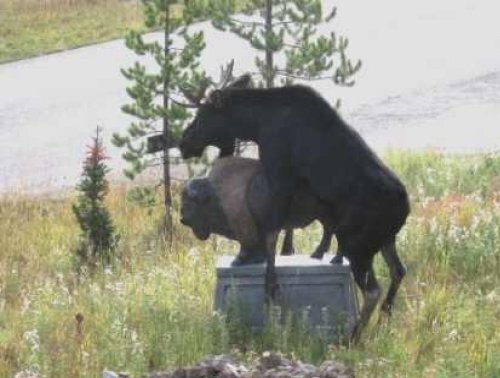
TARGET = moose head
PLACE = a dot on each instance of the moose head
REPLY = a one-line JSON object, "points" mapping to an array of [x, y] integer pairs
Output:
{"points": [[211, 112]]}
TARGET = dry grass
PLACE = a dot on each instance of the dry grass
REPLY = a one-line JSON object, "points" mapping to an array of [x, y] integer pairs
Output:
{"points": [[152, 309], [29, 28]]}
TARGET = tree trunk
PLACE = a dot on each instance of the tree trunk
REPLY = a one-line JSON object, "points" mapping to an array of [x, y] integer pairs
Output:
{"points": [[269, 53], [166, 137]]}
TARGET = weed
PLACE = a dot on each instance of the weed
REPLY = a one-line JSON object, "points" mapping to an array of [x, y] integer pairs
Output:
{"points": [[153, 310]]}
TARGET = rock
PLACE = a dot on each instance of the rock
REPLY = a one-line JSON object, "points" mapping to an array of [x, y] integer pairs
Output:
{"points": [[270, 365], [229, 371], [109, 374], [159, 374], [179, 373], [332, 369], [270, 360], [27, 374]]}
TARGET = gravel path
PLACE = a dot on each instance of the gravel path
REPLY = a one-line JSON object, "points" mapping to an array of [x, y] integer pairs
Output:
{"points": [[431, 79]]}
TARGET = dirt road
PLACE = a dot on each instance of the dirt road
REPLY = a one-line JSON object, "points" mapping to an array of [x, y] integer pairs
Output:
{"points": [[430, 79]]}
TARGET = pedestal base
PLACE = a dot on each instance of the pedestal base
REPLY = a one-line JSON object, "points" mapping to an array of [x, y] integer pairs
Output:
{"points": [[321, 294]]}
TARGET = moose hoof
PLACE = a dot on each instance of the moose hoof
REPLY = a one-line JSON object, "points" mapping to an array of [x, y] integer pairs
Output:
{"points": [[337, 259], [318, 255], [246, 259], [288, 252]]}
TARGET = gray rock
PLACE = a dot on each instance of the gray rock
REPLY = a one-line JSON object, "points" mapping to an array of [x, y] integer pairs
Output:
{"points": [[270, 365], [322, 294], [27, 374]]}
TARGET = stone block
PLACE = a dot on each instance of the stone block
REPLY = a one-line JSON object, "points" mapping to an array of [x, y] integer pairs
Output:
{"points": [[322, 294]]}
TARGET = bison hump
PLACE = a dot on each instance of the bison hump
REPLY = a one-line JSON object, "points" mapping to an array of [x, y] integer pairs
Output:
{"points": [[230, 177]]}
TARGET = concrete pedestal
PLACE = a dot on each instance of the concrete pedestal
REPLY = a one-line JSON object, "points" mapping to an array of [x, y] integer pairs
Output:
{"points": [[320, 293]]}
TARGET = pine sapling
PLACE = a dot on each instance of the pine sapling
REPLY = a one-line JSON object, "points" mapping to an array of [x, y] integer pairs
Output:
{"points": [[98, 237]]}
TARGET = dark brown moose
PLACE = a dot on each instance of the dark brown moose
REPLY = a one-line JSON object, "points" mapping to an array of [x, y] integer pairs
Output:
{"points": [[232, 202], [301, 138], [227, 146]]}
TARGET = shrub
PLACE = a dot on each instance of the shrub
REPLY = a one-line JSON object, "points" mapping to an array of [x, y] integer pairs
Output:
{"points": [[98, 237]]}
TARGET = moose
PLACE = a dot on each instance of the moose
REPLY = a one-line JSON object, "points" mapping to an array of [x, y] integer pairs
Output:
{"points": [[301, 138], [232, 202], [227, 147]]}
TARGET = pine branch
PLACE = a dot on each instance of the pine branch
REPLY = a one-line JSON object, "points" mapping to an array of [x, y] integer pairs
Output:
{"points": [[292, 45], [284, 73], [247, 23], [286, 23], [183, 104]]}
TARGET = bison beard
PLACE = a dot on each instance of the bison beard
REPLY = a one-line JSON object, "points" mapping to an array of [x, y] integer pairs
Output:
{"points": [[301, 137]]}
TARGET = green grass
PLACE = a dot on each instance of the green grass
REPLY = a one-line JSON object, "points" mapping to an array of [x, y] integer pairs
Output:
{"points": [[33, 28], [153, 310]]}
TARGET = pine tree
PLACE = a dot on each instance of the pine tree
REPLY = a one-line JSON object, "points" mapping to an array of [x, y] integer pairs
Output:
{"points": [[98, 237], [157, 100], [290, 27]]}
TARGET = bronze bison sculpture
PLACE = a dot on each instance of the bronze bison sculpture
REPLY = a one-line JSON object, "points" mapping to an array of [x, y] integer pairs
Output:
{"points": [[232, 202]]}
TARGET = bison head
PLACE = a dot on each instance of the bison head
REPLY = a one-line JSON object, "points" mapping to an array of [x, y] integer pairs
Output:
{"points": [[195, 209]]}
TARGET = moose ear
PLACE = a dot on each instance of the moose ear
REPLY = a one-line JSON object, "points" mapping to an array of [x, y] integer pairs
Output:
{"points": [[242, 82], [217, 98]]}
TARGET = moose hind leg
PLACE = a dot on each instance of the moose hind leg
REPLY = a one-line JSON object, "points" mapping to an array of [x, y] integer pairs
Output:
{"points": [[397, 272], [371, 294], [281, 183]]}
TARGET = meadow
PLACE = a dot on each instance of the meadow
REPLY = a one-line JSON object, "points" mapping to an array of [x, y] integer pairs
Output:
{"points": [[151, 309], [33, 27]]}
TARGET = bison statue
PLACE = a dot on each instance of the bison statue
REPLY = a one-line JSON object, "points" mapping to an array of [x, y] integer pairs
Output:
{"points": [[232, 202]]}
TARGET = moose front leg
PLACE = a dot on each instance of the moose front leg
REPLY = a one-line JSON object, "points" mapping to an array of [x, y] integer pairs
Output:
{"points": [[227, 149], [281, 184], [324, 245], [276, 164], [271, 279], [246, 256], [288, 249]]}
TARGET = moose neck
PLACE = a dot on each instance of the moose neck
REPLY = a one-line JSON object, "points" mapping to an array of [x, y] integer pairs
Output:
{"points": [[254, 109]]}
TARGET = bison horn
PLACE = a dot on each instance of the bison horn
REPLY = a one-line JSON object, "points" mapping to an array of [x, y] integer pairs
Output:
{"points": [[190, 189], [198, 190]]}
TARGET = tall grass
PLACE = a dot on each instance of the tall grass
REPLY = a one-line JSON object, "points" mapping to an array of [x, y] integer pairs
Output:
{"points": [[33, 27], [153, 310]]}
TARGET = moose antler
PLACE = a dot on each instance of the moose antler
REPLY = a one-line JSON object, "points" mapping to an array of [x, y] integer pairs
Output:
{"points": [[196, 95], [226, 75]]}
